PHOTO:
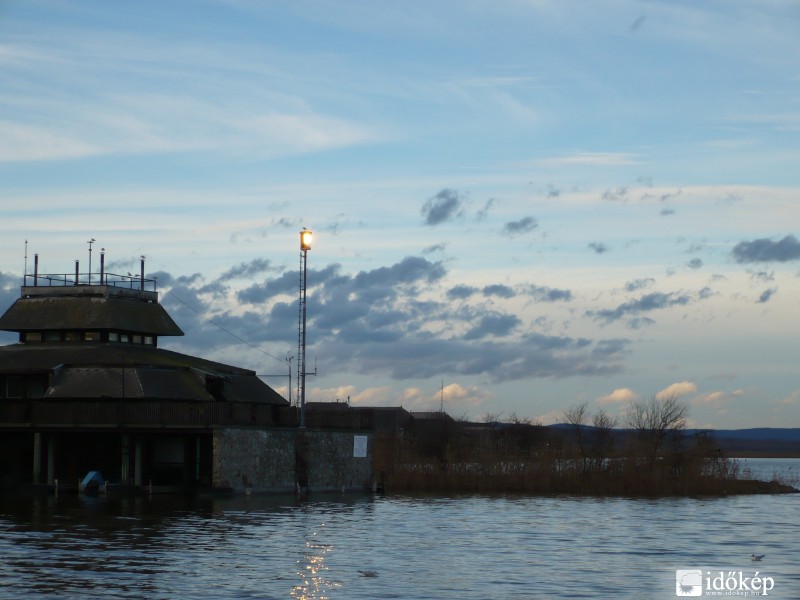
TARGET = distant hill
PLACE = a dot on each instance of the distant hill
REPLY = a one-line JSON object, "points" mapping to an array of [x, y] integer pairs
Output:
{"points": [[752, 442], [791, 434], [760, 441]]}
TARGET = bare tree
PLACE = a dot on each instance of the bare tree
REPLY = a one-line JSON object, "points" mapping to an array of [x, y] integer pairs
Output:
{"points": [[515, 419], [603, 436], [577, 416], [492, 417], [656, 418]]}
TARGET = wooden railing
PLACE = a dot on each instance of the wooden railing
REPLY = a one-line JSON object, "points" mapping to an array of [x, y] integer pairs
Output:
{"points": [[142, 413]]}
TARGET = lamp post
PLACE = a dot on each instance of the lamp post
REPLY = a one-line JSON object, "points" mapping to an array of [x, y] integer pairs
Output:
{"points": [[305, 246]]}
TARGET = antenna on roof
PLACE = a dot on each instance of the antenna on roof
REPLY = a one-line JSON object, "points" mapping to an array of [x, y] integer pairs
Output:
{"points": [[25, 273], [90, 242]]}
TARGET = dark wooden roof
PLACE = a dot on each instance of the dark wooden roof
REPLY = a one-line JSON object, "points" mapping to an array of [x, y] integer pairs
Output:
{"points": [[109, 313], [115, 370]]}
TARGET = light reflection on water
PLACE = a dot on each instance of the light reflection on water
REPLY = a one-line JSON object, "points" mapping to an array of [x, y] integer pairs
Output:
{"points": [[468, 547]]}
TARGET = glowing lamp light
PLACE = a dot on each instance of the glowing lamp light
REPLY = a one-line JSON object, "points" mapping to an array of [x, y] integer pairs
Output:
{"points": [[305, 239]]}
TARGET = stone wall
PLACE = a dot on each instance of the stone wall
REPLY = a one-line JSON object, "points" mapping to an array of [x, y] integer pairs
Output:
{"points": [[277, 460], [261, 459], [331, 464]]}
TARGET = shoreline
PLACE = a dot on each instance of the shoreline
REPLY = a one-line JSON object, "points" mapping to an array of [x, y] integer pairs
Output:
{"points": [[764, 454]]}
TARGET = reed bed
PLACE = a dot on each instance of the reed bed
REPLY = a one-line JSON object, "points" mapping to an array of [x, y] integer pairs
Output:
{"points": [[536, 460]]}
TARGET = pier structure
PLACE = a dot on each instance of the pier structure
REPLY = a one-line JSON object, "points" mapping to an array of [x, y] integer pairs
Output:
{"points": [[87, 388]]}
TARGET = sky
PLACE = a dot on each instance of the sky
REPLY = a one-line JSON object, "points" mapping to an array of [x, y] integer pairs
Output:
{"points": [[518, 206]]}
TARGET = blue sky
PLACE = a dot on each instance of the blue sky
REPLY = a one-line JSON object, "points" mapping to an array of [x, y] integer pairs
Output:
{"points": [[530, 204]]}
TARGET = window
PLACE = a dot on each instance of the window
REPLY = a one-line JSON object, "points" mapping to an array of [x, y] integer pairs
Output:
{"points": [[52, 336], [137, 339], [113, 336], [33, 336], [123, 337], [72, 336], [91, 336], [15, 386], [35, 386], [148, 339]]}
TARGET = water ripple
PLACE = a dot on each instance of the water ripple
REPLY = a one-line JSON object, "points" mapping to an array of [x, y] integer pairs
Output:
{"points": [[470, 547]]}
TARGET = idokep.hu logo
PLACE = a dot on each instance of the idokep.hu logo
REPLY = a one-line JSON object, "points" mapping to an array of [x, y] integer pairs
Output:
{"points": [[693, 583], [689, 583]]}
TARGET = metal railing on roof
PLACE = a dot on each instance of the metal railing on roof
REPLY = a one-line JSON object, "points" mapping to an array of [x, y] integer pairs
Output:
{"points": [[133, 282]]}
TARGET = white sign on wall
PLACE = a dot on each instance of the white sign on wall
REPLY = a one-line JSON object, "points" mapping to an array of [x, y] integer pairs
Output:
{"points": [[359, 446]]}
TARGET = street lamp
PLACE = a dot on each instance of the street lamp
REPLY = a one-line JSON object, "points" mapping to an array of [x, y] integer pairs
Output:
{"points": [[305, 246], [305, 239]]}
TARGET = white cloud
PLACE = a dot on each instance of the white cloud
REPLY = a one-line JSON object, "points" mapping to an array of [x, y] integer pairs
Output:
{"points": [[717, 399], [456, 394], [594, 159], [677, 390], [19, 142], [620, 395]]}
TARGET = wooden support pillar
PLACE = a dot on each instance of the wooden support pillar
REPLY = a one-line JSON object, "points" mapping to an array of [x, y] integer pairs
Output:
{"points": [[51, 461], [125, 465], [37, 458], [197, 459], [137, 466]]}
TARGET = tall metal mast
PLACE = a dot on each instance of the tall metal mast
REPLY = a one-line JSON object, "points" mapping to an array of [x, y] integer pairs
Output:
{"points": [[305, 246]]}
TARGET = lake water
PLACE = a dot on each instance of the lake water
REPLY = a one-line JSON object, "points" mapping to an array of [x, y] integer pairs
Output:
{"points": [[462, 547]]}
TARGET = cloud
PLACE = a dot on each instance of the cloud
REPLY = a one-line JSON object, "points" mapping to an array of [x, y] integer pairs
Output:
{"points": [[766, 295], [469, 396], [598, 247], [639, 284], [461, 292], [247, 270], [496, 325], [408, 270], [547, 294], [647, 303], [677, 390], [285, 284], [695, 264], [499, 290], [639, 322], [765, 250], [716, 398], [619, 396], [30, 143], [442, 207], [524, 225], [396, 321], [484, 212], [637, 24], [434, 248], [763, 276], [595, 159], [619, 194]]}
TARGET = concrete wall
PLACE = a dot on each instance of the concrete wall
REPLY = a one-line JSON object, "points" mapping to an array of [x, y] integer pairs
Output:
{"points": [[276, 460]]}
